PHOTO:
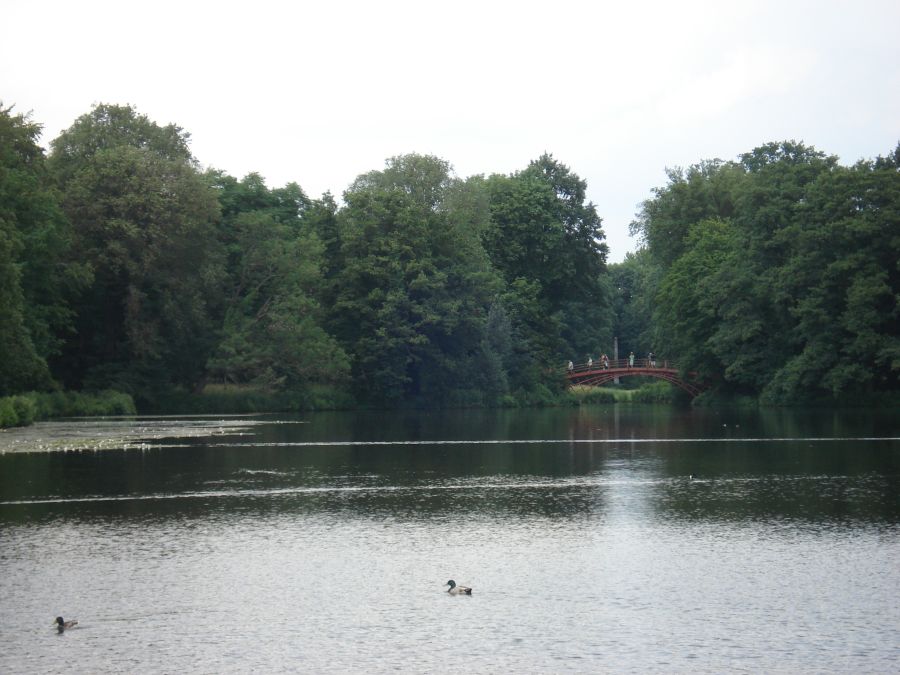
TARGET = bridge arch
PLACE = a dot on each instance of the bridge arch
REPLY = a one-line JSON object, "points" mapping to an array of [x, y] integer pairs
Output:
{"points": [[596, 373]]}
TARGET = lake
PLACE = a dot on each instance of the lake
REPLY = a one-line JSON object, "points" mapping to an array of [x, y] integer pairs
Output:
{"points": [[604, 539]]}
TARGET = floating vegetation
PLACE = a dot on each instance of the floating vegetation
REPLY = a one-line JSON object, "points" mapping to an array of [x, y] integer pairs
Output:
{"points": [[122, 433]]}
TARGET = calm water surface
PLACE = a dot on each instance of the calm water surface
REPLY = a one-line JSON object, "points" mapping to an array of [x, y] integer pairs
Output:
{"points": [[611, 539]]}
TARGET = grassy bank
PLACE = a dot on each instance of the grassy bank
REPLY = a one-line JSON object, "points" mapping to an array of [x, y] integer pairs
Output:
{"points": [[24, 409], [653, 392]]}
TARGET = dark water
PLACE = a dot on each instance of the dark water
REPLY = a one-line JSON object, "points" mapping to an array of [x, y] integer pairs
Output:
{"points": [[614, 539]]}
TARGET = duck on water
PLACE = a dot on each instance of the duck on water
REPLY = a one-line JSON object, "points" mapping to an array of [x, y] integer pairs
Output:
{"points": [[457, 590], [62, 625]]}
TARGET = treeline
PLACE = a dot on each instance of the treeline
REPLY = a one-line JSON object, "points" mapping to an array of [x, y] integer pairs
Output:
{"points": [[775, 276], [125, 266]]}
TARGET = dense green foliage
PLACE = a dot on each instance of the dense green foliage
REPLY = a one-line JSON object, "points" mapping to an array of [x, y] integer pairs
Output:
{"points": [[164, 281], [270, 332], [144, 222], [414, 286], [36, 276], [548, 246], [778, 275], [125, 266]]}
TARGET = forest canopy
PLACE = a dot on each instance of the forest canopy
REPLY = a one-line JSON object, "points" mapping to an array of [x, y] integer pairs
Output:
{"points": [[126, 265]]}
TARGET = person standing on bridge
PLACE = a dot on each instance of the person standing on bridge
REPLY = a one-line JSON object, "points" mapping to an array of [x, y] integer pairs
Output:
{"points": [[631, 360], [570, 366], [604, 361], [651, 360], [590, 361]]}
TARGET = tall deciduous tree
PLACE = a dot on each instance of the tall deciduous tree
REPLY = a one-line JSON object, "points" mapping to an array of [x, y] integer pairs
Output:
{"points": [[36, 277], [548, 244], [271, 330], [688, 306], [415, 287], [144, 221], [754, 338]]}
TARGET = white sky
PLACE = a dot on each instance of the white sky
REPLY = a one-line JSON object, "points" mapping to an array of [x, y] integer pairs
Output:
{"points": [[319, 92]]}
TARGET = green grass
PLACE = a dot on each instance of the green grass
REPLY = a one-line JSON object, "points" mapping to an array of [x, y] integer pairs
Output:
{"points": [[653, 392], [583, 395]]}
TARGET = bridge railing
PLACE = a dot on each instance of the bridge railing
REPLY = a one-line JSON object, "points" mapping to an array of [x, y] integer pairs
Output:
{"points": [[618, 364]]}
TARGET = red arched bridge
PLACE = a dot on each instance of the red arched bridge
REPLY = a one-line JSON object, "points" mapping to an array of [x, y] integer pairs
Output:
{"points": [[593, 374]]}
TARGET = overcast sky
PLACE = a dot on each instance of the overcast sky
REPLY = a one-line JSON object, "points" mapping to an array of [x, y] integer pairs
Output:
{"points": [[319, 92]]}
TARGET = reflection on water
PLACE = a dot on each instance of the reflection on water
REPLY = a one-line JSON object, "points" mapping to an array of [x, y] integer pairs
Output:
{"points": [[605, 539]]}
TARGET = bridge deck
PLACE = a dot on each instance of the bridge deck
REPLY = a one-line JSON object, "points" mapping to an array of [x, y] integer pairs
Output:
{"points": [[597, 373]]}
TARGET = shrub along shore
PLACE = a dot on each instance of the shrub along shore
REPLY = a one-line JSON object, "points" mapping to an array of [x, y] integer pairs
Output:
{"points": [[25, 409]]}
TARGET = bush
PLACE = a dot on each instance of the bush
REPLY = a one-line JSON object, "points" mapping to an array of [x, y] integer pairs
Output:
{"points": [[8, 416], [538, 396], [329, 397], [507, 401], [25, 409], [236, 399], [656, 392], [597, 395], [111, 402], [464, 398], [51, 404], [713, 399]]}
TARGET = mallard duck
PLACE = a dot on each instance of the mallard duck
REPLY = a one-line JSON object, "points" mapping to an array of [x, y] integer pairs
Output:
{"points": [[62, 625], [458, 590]]}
